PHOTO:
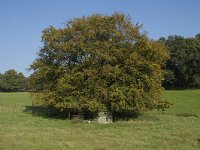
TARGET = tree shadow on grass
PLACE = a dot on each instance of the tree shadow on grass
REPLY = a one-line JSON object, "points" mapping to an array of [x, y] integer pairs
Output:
{"points": [[45, 111]]}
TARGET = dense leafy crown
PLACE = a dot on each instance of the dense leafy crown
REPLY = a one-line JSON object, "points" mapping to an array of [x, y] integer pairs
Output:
{"points": [[183, 67], [99, 63], [11, 81]]}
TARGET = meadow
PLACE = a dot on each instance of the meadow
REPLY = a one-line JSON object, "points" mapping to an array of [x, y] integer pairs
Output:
{"points": [[176, 128]]}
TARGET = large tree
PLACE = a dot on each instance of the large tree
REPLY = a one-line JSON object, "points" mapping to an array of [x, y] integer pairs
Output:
{"points": [[183, 66], [99, 63]]}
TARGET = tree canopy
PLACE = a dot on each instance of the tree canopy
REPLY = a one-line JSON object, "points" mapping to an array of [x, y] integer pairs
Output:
{"points": [[11, 81], [183, 66], [99, 63]]}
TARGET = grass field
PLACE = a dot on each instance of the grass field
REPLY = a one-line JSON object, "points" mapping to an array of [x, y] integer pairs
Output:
{"points": [[177, 128]]}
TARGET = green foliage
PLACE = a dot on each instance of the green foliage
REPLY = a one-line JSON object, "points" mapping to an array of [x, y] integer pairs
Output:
{"points": [[169, 78], [183, 67], [1, 82], [11, 81], [99, 63], [198, 35]]}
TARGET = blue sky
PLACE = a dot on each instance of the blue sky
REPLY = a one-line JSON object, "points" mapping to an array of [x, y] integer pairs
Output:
{"points": [[22, 22]]}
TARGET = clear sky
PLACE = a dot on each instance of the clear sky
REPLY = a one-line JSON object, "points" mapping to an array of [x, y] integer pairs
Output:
{"points": [[22, 22]]}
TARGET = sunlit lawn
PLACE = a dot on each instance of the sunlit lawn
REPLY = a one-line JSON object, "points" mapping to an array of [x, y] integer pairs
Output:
{"points": [[177, 128]]}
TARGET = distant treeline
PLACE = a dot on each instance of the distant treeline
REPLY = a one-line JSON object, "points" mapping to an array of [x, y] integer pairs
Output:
{"points": [[11, 81], [183, 67]]}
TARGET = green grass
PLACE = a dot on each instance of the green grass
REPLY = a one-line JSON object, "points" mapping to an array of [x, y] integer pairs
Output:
{"points": [[177, 128], [184, 101]]}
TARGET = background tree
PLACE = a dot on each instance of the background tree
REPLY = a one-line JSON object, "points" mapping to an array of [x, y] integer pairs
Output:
{"points": [[198, 35], [99, 63], [11, 81], [1, 82], [183, 67]]}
